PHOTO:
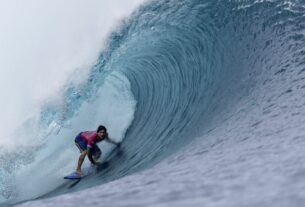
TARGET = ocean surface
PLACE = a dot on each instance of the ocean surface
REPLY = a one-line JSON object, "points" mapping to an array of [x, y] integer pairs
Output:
{"points": [[208, 99]]}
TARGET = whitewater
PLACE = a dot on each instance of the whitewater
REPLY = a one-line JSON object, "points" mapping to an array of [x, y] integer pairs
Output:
{"points": [[207, 97]]}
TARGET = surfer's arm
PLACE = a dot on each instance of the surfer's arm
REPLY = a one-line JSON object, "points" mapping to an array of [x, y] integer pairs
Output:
{"points": [[111, 141], [89, 153]]}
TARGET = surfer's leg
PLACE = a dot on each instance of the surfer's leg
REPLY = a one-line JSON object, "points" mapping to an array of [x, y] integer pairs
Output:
{"points": [[82, 146], [79, 147], [80, 143], [80, 161]]}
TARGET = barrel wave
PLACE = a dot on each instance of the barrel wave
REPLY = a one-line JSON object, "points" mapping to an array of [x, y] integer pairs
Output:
{"points": [[214, 87]]}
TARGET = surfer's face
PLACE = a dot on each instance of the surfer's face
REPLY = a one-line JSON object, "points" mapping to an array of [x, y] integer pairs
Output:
{"points": [[101, 134]]}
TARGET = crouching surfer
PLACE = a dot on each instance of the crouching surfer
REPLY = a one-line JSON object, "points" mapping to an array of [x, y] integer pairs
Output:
{"points": [[87, 144]]}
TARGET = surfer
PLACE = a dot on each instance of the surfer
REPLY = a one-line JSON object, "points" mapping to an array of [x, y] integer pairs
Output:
{"points": [[87, 141]]}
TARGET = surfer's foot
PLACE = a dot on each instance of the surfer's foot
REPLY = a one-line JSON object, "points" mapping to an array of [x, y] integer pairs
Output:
{"points": [[79, 172]]}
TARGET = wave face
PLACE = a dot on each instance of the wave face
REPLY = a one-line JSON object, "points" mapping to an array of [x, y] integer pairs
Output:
{"points": [[186, 67]]}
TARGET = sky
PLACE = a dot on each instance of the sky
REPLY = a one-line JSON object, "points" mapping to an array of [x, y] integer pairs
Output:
{"points": [[42, 44]]}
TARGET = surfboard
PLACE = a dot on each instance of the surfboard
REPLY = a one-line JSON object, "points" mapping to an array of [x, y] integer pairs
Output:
{"points": [[87, 170], [74, 176]]}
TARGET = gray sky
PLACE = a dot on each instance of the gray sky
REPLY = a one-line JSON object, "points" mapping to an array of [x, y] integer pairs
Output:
{"points": [[41, 43]]}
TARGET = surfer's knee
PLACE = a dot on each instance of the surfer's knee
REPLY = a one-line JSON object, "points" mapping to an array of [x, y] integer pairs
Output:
{"points": [[83, 154]]}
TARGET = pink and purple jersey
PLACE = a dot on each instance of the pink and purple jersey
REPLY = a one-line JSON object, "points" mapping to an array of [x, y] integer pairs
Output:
{"points": [[90, 137]]}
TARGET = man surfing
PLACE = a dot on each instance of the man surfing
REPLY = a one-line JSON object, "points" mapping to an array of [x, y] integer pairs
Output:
{"points": [[87, 141]]}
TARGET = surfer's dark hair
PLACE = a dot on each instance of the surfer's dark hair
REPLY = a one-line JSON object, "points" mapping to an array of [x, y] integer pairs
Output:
{"points": [[101, 127]]}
